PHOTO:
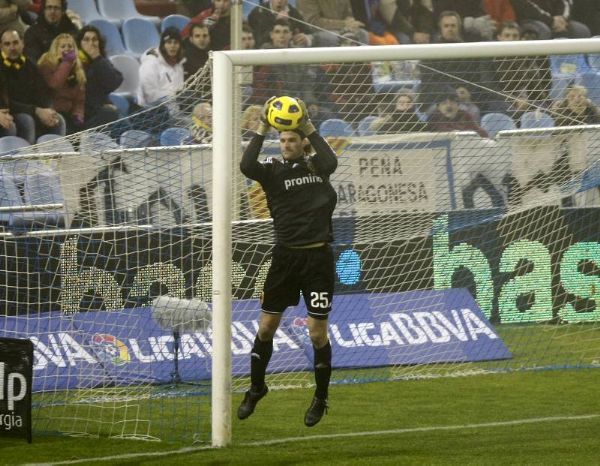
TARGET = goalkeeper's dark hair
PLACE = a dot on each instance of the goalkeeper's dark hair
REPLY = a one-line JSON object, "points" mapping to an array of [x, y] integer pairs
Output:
{"points": [[299, 133]]}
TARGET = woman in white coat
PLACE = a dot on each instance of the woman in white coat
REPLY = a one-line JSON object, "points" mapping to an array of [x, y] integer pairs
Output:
{"points": [[161, 70]]}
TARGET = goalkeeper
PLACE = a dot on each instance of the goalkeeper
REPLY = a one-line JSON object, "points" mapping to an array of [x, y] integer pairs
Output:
{"points": [[301, 202]]}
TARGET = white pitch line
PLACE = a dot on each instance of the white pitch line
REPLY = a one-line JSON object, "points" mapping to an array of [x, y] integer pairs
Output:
{"points": [[516, 422]]}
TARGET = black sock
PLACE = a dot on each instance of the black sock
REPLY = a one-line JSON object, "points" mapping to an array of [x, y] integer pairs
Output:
{"points": [[322, 370], [259, 360]]}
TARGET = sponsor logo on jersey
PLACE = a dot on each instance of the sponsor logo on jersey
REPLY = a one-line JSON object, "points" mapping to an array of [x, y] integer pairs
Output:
{"points": [[302, 180]]}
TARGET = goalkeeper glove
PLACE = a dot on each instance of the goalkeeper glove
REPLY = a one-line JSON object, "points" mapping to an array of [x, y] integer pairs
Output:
{"points": [[306, 126], [264, 126]]}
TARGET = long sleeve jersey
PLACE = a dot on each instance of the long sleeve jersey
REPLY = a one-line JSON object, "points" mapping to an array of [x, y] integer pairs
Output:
{"points": [[300, 197]]}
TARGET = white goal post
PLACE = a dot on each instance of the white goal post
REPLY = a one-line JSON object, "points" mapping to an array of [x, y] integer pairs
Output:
{"points": [[225, 169]]}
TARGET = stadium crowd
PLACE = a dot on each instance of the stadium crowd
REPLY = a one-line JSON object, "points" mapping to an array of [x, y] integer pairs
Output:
{"points": [[62, 63]]}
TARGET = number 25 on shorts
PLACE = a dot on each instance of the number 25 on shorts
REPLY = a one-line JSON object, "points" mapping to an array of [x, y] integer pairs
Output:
{"points": [[319, 299]]}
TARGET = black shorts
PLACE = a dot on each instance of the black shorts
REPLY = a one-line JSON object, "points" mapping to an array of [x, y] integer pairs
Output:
{"points": [[310, 271]]}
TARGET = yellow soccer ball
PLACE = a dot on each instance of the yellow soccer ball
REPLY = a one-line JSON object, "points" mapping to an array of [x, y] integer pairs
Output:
{"points": [[284, 113]]}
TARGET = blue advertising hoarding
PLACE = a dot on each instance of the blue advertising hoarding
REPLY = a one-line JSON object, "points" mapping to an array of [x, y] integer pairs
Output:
{"points": [[128, 347]]}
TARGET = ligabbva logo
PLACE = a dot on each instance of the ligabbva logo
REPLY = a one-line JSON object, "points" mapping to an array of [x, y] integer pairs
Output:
{"points": [[109, 349]]}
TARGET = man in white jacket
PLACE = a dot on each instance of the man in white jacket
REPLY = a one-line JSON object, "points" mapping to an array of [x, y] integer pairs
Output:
{"points": [[161, 71]]}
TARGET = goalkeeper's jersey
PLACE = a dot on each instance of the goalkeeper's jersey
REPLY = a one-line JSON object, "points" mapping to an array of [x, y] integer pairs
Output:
{"points": [[299, 195]]}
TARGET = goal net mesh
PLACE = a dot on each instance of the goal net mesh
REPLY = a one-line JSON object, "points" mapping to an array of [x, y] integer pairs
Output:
{"points": [[466, 238]]}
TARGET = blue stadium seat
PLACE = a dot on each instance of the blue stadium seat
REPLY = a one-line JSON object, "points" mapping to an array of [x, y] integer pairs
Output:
{"points": [[566, 70], [536, 119], [87, 11], [133, 138], [27, 186], [175, 136], [52, 143], [594, 61], [178, 21], [493, 123], [139, 35], [121, 102], [112, 36], [336, 127], [365, 123], [93, 142], [11, 144], [568, 64], [123, 10], [130, 69], [9, 196], [43, 187]]}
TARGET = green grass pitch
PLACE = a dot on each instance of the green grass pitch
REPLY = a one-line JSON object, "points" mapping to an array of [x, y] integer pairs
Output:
{"points": [[523, 417]]}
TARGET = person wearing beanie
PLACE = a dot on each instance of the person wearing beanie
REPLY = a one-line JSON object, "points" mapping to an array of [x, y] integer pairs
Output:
{"points": [[161, 70]]}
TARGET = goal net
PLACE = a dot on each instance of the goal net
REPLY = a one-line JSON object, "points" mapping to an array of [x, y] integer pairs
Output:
{"points": [[466, 233], [466, 222]]}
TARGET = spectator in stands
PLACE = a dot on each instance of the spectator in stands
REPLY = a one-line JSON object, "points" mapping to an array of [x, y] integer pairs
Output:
{"points": [[247, 72], [262, 18], [500, 11], [29, 97], [64, 74], [35, 6], [575, 108], [248, 39], [402, 118], [319, 113], [349, 86], [191, 8], [10, 14], [218, 20], [410, 21], [519, 84], [201, 127], [379, 28], [550, 18], [331, 17], [477, 25], [7, 122], [291, 79], [508, 31], [161, 71], [449, 28], [449, 117], [465, 102], [195, 49], [52, 22], [251, 121], [102, 78], [439, 75]]}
